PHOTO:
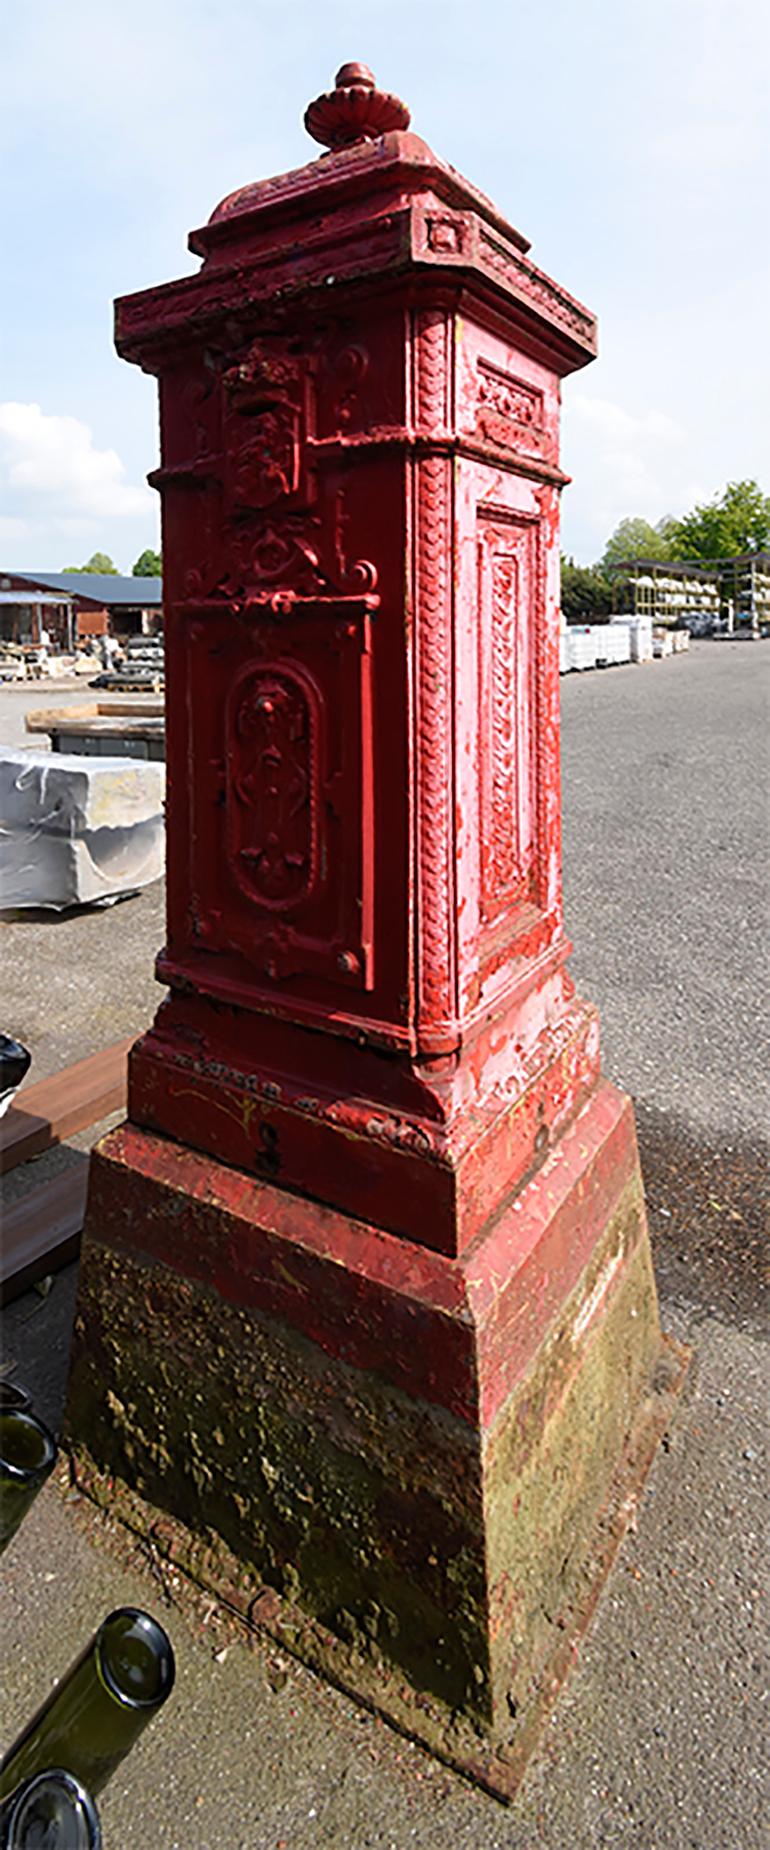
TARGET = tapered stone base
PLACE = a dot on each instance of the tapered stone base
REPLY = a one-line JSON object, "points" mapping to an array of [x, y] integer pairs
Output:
{"points": [[413, 1469]]}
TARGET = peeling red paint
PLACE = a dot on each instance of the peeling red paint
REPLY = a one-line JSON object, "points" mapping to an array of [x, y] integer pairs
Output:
{"points": [[361, 534]]}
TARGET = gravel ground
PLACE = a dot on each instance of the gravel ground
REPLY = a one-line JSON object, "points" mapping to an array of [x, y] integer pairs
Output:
{"points": [[656, 1739], [80, 979]]}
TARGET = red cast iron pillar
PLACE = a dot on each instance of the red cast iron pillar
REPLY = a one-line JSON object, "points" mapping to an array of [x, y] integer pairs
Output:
{"points": [[360, 481], [371, 1248]]}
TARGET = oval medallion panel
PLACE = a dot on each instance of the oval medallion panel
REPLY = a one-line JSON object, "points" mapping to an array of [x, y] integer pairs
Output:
{"points": [[273, 805]]}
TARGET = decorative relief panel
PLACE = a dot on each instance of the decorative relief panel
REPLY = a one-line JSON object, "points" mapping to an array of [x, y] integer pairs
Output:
{"points": [[500, 835], [265, 424], [441, 235], [509, 397], [266, 465], [273, 797], [270, 514], [445, 234], [280, 773], [507, 565], [509, 412]]}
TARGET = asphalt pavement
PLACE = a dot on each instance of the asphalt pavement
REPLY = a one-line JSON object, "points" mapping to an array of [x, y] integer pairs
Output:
{"points": [[656, 1741], [666, 774]]}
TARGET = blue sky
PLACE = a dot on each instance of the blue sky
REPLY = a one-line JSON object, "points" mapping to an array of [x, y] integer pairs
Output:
{"points": [[629, 141]]}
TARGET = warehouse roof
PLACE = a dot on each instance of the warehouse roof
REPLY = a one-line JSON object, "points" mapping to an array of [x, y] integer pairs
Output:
{"points": [[100, 587], [32, 597]]}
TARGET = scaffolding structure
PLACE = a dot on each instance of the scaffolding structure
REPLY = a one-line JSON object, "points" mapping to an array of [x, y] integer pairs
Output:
{"points": [[745, 584], [664, 591], [731, 591]]}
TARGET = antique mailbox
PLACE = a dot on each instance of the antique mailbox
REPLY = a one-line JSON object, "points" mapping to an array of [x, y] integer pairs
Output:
{"points": [[366, 1304]]}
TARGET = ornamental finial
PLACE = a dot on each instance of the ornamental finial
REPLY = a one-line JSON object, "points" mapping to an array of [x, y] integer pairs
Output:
{"points": [[355, 110]]}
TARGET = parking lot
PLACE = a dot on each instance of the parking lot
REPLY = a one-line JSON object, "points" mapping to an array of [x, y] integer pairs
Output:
{"points": [[656, 1740]]}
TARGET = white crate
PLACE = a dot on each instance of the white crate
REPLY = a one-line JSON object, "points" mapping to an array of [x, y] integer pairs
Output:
{"points": [[639, 636], [582, 646], [612, 644], [565, 662]]}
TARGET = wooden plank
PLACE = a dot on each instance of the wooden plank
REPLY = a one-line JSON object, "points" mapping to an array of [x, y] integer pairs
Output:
{"points": [[42, 1231], [52, 1110], [47, 719], [42, 718]]}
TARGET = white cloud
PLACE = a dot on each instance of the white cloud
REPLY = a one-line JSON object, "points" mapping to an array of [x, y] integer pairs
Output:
{"points": [[12, 530], [618, 428], [50, 466], [621, 463]]}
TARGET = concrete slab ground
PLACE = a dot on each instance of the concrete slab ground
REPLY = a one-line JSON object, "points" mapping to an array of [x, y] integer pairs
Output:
{"points": [[657, 1740], [73, 981], [18, 698]]}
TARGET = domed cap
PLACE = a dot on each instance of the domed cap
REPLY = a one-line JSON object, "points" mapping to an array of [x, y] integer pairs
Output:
{"points": [[354, 111]]}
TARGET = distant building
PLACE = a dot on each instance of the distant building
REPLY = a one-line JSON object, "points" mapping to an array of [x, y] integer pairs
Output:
{"points": [[671, 591], [68, 606]]}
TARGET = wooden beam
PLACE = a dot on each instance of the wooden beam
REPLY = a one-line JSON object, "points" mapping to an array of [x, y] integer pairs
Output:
{"points": [[52, 1110], [41, 1232]]}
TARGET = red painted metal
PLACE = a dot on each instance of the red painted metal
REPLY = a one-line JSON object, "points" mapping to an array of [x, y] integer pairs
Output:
{"points": [[360, 480], [373, 1198], [354, 111]]}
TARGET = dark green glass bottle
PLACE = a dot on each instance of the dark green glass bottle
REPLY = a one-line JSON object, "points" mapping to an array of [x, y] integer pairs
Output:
{"points": [[53, 1811], [27, 1458], [100, 1707], [12, 1394]]}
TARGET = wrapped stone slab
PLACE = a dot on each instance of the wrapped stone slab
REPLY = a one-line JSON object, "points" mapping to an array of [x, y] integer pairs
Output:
{"points": [[77, 830]]}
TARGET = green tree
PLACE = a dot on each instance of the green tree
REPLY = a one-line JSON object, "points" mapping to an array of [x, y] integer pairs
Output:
{"points": [[736, 522], [635, 538], [98, 562], [585, 593], [148, 565], [666, 530]]}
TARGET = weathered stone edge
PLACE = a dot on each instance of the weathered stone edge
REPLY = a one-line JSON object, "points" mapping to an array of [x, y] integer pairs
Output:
{"points": [[497, 1771]]}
